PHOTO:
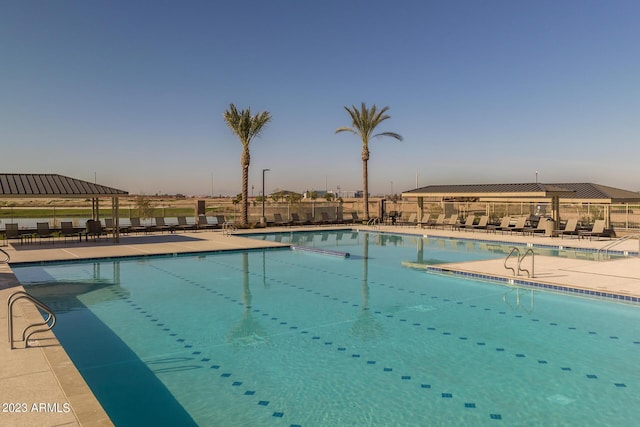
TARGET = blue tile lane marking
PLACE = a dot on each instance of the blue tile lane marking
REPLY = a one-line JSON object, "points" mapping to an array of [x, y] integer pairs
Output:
{"points": [[403, 320]]}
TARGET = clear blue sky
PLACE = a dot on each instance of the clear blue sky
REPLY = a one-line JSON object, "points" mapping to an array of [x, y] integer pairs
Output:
{"points": [[490, 91]]}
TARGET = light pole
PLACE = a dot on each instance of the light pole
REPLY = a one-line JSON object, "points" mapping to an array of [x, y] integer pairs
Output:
{"points": [[263, 219]]}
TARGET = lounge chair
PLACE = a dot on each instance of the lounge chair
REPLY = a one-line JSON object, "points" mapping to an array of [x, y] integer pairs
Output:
{"points": [[354, 218], [221, 220], [137, 227], [424, 221], [110, 226], [67, 230], [570, 229], [295, 219], [482, 223], [467, 224], [436, 222], [184, 225], [520, 225], [203, 224], [340, 218], [542, 227], [451, 222], [596, 231], [504, 225], [277, 220], [43, 231], [412, 221], [310, 219], [324, 218], [162, 226]]}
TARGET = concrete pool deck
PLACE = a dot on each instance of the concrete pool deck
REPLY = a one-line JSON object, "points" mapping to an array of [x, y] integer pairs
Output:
{"points": [[44, 382]]}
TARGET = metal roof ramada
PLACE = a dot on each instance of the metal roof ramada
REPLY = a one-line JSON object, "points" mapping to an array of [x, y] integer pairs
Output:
{"points": [[48, 185], [577, 191], [522, 189]]}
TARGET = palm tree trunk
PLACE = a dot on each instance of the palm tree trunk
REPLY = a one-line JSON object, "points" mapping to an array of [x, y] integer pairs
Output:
{"points": [[245, 160], [365, 181]]}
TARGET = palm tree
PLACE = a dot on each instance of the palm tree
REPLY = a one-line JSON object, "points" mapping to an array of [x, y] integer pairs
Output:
{"points": [[365, 121], [246, 127]]}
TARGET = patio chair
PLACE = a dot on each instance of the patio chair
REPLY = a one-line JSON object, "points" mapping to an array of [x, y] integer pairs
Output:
{"points": [[543, 225], [277, 220], [221, 219], [451, 222], [11, 231], [204, 224], [354, 218], [482, 223], [137, 227], [295, 219], [109, 226], [504, 225], [467, 224], [67, 230], [424, 221], [324, 218], [162, 226], [436, 222], [43, 231], [310, 219], [519, 226], [184, 225], [596, 231], [570, 229], [412, 221], [94, 229]]}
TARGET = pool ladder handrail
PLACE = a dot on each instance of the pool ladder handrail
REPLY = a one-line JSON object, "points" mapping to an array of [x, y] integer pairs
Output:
{"points": [[605, 249], [228, 228], [518, 269], [25, 337], [6, 261]]}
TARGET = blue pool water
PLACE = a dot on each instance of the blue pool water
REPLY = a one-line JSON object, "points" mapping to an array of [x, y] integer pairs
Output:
{"points": [[282, 338]]}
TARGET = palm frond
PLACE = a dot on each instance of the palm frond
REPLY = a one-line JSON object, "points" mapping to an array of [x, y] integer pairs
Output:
{"points": [[390, 134]]}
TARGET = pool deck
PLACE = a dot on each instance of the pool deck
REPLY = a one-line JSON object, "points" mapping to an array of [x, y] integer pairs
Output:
{"points": [[43, 378]]}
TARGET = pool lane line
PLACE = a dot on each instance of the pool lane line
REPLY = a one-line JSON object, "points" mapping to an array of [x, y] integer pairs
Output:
{"points": [[189, 348], [327, 344], [388, 315]]}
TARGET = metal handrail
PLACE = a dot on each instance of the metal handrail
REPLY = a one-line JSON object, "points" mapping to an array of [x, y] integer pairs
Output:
{"points": [[517, 251], [373, 222], [616, 242], [228, 228], [520, 259], [5, 254], [25, 337]]}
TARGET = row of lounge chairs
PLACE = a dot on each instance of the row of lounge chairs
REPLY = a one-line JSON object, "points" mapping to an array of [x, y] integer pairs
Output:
{"points": [[95, 229], [511, 225], [309, 219]]}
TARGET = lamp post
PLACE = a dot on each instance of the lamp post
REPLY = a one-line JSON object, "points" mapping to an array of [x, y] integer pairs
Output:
{"points": [[263, 219]]}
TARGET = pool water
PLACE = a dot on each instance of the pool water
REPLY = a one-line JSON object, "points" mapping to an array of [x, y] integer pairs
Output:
{"points": [[282, 338]]}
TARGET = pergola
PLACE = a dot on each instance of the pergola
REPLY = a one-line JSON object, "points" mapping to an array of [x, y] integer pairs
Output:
{"points": [[26, 186], [526, 192], [482, 192]]}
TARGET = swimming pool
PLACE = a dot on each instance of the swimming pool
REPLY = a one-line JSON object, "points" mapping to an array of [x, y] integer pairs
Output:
{"points": [[280, 337]]}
